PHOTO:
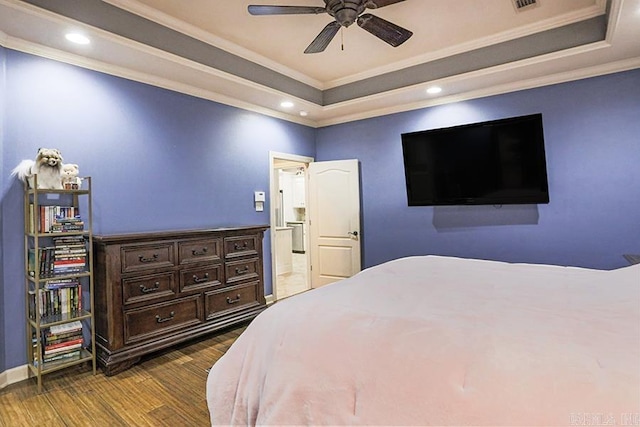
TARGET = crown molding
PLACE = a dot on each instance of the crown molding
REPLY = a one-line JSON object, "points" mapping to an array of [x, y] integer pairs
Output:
{"points": [[499, 89], [174, 85], [87, 63]]}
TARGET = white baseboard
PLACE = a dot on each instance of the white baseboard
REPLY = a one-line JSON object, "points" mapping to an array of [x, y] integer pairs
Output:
{"points": [[270, 299], [13, 375]]}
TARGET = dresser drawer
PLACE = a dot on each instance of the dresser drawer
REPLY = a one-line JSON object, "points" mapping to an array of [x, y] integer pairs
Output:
{"points": [[241, 270], [224, 301], [148, 288], [240, 246], [205, 250], [200, 277], [164, 318], [146, 257]]}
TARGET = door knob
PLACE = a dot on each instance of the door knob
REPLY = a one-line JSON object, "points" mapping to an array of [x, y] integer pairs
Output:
{"points": [[353, 233]]}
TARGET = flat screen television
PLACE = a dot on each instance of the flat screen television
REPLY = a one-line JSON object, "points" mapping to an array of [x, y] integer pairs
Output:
{"points": [[490, 163]]}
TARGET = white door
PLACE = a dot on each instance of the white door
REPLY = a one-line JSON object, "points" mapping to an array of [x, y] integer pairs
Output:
{"points": [[334, 220]]}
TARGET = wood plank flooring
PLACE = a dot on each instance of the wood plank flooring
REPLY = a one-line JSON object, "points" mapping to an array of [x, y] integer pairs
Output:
{"points": [[164, 389]]}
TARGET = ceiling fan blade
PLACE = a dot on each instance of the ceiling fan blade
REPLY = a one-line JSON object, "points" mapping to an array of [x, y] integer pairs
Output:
{"points": [[323, 39], [384, 30], [376, 4], [285, 10]]}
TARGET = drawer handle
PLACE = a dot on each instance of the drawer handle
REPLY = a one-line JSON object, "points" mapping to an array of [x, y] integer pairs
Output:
{"points": [[197, 279], [243, 270], [165, 319], [200, 252], [239, 246], [146, 290], [233, 301], [154, 258]]}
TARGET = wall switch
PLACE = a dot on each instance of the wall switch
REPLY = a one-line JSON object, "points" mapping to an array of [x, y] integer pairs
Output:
{"points": [[259, 198]]}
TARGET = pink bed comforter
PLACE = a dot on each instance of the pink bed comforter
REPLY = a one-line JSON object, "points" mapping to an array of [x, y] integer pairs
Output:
{"points": [[441, 341]]}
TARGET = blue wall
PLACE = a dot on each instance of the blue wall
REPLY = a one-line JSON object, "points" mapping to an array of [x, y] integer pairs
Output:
{"points": [[158, 160], [592, 136]]}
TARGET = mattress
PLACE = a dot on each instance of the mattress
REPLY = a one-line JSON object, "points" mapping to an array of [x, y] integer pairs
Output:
{"points": [[441, 341]]}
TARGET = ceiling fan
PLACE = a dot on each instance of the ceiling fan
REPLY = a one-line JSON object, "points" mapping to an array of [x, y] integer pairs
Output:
{"points": [[345, 13]]}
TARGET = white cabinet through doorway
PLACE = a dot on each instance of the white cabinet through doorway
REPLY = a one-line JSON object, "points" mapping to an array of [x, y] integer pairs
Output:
{"points": [[298, 192]]}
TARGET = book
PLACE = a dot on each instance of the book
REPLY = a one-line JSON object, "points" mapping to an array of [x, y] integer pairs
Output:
{"points": [[66, 327], [60, 283], [31, 262], [62, 344], [49, 338], [60, 357], [63, 349]]}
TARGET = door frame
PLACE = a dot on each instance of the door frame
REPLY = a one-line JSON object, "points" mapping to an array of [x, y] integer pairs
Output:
{"points": [[273, 193]]}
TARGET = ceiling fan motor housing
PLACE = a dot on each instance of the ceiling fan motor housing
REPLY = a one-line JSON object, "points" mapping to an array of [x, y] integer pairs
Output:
{"points": [[345, 11]]}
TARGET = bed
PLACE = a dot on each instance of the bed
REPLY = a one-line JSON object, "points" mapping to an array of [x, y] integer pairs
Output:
{"points": [[441, 341]]}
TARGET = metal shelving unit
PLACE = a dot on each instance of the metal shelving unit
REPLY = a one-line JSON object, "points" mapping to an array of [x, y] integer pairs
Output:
{"points": [[35, 240]]}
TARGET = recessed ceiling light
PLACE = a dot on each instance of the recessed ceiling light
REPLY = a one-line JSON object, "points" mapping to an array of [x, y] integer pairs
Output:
{"points": [[434, 90], [77, 38], [286, 104], [304, 113]]}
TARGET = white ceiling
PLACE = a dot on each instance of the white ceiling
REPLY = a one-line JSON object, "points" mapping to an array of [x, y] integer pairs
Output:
{"points": [[471, 48]]}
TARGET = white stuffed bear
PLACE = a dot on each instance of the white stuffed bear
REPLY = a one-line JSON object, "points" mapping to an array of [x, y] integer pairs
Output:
{"points": [[69, 176]]}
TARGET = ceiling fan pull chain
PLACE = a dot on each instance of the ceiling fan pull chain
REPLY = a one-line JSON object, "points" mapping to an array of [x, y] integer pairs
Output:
{"points": [[342, 38]]}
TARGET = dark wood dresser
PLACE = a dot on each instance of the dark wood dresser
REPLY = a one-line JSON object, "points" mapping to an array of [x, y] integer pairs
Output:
{"points": [[154, 290]]}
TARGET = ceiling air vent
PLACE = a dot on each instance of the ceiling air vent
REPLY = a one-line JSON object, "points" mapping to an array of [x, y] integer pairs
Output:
{"points": [[521, 5]]}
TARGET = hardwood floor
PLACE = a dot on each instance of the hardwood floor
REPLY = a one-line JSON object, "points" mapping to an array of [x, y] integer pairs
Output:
{"points": [[164, 389]]}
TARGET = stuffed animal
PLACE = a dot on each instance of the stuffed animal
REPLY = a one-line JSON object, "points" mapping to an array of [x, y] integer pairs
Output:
{"points": [[47, 166], [69, 176]]}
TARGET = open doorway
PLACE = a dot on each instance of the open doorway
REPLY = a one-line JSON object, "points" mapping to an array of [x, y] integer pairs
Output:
{"points": [[290, 259]]}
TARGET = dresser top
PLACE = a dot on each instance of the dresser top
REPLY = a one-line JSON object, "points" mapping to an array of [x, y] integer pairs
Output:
{"points": [[178, 234]]}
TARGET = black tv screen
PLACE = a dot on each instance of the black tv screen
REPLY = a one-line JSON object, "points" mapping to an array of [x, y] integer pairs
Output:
{"points": [[490, 163]]}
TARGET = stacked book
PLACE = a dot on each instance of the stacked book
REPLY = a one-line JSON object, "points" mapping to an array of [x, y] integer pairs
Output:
{"points": [[62, 225], [68, 255], [62, 342]]}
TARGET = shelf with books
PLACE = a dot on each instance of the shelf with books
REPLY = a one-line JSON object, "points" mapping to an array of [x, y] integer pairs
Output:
{"points": [[59, 278], [57, 302], [59, 346], [66, 256]]}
